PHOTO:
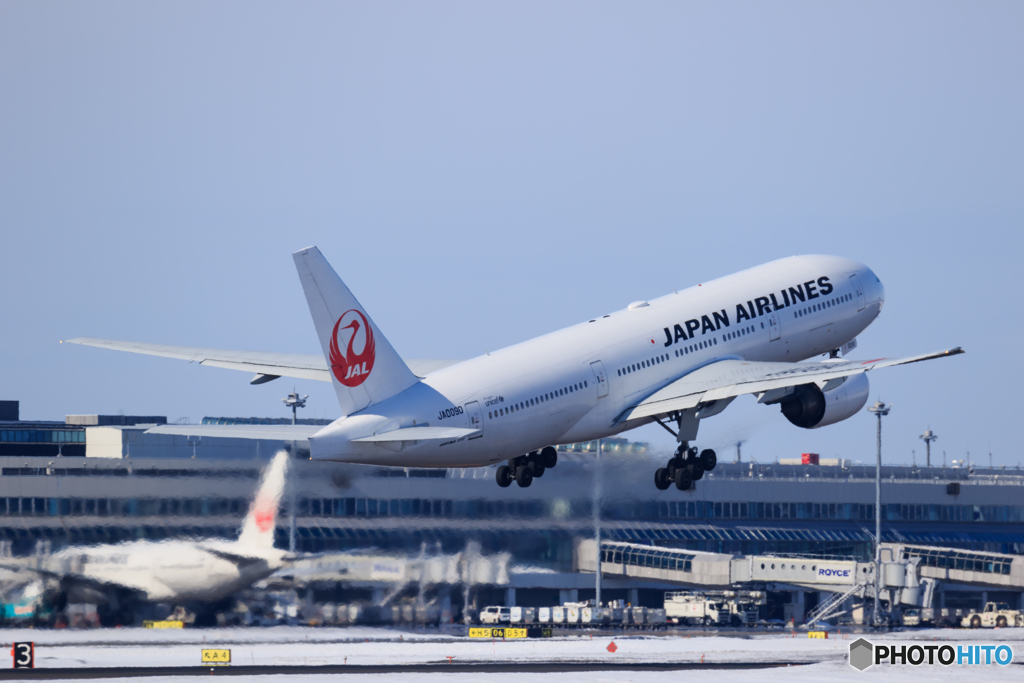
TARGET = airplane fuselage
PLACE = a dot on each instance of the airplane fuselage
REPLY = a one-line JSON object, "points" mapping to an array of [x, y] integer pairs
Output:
{"points": [[162, 571], [574, 384]]}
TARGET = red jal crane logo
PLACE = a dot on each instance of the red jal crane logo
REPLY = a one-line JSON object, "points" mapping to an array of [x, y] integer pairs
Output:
{"points": [[263, 513], [353, 368]]}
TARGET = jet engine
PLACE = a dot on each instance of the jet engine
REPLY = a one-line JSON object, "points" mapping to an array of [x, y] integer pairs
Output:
{"points": [[810, 407]]}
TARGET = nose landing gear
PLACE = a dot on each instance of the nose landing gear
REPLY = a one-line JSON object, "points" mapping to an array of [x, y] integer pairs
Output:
{"points": [[525, 468]]}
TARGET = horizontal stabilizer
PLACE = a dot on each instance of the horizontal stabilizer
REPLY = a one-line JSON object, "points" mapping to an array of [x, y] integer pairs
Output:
{"points": [[268, 432], [420, 434]]}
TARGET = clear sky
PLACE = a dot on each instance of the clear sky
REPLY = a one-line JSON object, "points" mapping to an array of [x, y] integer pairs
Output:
{"points": [[482, 173]]}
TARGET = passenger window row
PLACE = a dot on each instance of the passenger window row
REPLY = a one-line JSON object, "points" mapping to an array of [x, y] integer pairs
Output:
{"points": [[640, 365], [749, 329], [537, 400], [822, 306], [691, 348]]}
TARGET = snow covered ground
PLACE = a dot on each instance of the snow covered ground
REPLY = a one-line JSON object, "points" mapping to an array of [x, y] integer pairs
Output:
{"points": [[833, 672], [318, 646]]}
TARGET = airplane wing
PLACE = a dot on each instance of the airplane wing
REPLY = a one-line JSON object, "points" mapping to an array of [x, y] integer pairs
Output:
{"points": [[726, 379], [69, 578], [266, 365], [12, 565], [239, 558]]}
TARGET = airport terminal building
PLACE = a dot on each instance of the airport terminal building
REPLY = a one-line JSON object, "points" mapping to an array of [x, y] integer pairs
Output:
{"points": [[129, 485]]}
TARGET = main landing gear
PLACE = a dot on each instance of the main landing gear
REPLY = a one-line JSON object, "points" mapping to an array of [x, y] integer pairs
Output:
{"points": [[524, 469], [684, 468]]}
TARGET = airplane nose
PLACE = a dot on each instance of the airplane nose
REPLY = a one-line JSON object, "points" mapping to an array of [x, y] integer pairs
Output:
{"points": [[876, 289]]}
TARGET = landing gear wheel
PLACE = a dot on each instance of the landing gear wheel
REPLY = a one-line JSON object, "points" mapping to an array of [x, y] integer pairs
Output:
{"points": [[683, 478], [549, 457], [524, 477], [662, 479], [708, 459], [698, 471], [503, 476], [536, 468]]}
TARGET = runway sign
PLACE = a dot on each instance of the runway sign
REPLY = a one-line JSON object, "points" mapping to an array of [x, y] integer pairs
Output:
{"points": [[818, 634], [507, 633], [24, 655], [164, 624], [217, 657]]}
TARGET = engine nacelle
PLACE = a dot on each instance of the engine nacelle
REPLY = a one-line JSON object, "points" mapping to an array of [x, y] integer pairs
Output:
{"points": [[809, 407]]}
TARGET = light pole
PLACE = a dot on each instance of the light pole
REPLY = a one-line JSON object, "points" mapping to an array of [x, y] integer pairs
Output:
{"points": [[928, 437], [293, 401], [597, 524], [880, 410]]}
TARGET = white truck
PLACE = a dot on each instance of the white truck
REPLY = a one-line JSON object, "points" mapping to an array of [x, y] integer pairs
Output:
{"points": [[714, 608], [995, 615], [495, 615]]}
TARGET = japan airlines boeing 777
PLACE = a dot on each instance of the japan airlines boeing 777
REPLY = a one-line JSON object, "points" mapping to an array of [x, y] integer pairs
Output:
{"points": [[675, 360]]}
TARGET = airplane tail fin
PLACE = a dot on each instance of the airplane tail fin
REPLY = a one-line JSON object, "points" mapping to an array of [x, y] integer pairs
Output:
{"points": [[259, 525], [365, 368]]}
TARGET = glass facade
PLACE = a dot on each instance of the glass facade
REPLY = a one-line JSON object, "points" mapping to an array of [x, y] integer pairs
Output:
{"points": [[42, 436], [481, 508]]}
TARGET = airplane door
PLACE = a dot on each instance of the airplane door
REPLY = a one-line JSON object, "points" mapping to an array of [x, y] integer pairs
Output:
{"points": [[774, 326], [599, 377], [476, 418], [859, 289]]}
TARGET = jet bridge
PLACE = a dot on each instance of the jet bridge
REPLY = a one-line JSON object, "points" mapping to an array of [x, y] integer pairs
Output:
{"points": [[966, 567], [718, 570], [904, 566]]}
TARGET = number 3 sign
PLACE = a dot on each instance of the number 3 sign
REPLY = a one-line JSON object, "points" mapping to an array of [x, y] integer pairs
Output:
{"points": [[24, 655]]}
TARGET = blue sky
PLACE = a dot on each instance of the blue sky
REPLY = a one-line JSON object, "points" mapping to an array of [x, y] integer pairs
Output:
{"points": [[481, 173]]}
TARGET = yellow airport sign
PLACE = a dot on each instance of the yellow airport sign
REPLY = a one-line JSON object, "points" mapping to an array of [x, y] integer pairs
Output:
{"points": [[509, 632], [164, 624], [818, 634], [218, 657]]}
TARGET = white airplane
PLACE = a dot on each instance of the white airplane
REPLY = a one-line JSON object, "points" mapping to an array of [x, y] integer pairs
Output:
{"points": [[675, 360], [174, 571]]}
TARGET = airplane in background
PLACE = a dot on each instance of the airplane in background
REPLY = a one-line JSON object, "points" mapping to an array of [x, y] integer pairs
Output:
{"points": [[675, 360], [118, 577]]}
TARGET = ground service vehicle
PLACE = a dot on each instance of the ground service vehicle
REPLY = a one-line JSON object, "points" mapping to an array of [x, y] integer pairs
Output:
{"points": [[724, 608], [495, 615], [995, 615]]}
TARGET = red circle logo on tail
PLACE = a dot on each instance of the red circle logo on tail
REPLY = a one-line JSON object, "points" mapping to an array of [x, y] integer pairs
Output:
{"points": [[263, 514], [352, 368]]}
